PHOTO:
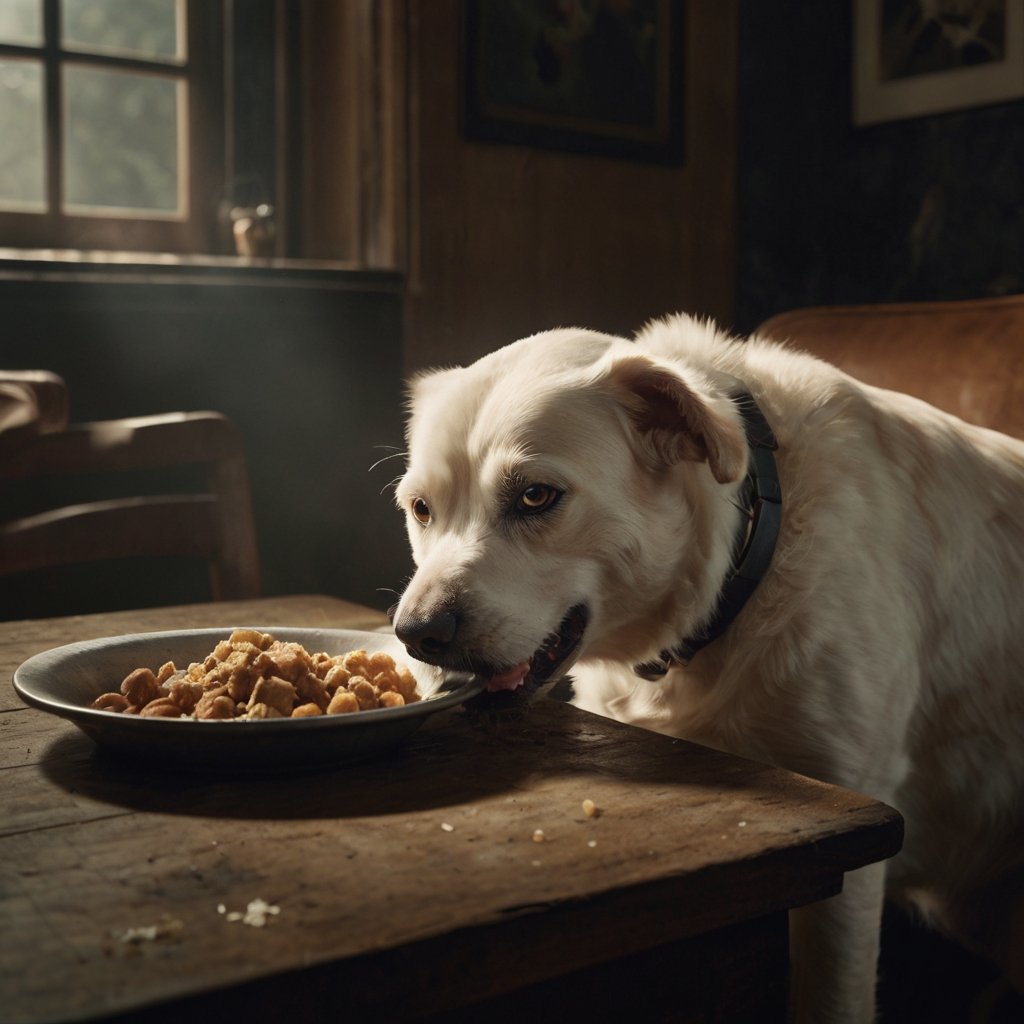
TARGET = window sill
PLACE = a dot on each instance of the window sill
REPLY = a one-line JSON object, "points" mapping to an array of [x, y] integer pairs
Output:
{"points": [[136, 267]]}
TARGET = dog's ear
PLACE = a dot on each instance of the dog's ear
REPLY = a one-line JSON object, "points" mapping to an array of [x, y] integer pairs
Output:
{"points": [[424, 383], [675, 420]]}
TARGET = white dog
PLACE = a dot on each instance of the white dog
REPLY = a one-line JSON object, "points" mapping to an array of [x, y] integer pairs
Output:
{"points": [[802, 569]]}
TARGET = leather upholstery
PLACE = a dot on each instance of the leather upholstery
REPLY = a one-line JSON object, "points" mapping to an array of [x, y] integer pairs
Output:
{"points": [[966, 357]]}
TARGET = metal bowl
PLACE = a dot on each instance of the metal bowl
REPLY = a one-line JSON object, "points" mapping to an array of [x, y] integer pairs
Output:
{"points": [[66, 680]]}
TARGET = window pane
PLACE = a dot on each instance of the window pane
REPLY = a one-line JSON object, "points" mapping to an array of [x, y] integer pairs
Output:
{"points": [[142, 28], [21, 21], [121, 146], [22, 155]]}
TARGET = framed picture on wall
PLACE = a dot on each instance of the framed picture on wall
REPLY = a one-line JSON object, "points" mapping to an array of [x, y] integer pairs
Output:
{"points": [[916, 57], [584, 76]]}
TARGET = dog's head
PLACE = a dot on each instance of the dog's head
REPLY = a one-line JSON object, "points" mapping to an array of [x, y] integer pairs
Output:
{"points": [[564, 495]]}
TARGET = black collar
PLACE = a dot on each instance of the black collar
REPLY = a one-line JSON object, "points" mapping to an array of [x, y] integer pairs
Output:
{"points": [[761, 499]]}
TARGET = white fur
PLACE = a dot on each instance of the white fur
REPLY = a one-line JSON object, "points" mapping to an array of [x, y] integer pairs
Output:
{"points": [[883, 651]]}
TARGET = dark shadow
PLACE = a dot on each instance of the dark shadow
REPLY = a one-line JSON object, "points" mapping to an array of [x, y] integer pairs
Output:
{"points": [[925, 978], [457, 757]]}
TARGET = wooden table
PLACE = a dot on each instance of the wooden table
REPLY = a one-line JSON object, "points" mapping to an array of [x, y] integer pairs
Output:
{"points": [[411, 885]]}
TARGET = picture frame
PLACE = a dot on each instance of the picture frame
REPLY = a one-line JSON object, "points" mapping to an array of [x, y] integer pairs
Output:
{"points": [[907, 63], [586, 77]]}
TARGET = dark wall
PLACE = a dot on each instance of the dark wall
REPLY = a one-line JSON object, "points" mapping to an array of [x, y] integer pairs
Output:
{"points": [[307, 363], [927, 208]]}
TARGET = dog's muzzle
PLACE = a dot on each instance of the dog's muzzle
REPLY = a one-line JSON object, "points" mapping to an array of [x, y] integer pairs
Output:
{"points": [[435, 639]]}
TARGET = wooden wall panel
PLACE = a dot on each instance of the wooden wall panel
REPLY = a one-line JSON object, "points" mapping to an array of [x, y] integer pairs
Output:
{"points": [[507, 240]]}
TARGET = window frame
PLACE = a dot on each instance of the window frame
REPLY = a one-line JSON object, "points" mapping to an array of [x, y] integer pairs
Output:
{"points": [[196, 232]]}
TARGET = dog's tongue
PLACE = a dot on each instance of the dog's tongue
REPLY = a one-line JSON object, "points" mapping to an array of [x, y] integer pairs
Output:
{"points": [[510, 680]]}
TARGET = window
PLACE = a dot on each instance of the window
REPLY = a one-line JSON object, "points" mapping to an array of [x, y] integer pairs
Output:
{"points": [[159, 126], [111, 123]]}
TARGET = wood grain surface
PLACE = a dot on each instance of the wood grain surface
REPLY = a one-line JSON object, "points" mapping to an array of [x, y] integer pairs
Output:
{"points": [[407, 885]]}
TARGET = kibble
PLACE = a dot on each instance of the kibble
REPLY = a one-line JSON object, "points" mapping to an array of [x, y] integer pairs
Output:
{"points": [[250, 675]]}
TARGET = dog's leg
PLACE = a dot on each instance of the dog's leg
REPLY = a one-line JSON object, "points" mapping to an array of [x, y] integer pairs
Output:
{"points": [[834, 946]]}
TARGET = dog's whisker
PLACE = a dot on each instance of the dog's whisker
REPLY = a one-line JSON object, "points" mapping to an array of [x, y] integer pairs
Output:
{"points": [[394, 455]]}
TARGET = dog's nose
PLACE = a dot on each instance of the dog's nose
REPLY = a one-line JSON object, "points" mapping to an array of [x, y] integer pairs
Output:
{"points": [[427, 638]]}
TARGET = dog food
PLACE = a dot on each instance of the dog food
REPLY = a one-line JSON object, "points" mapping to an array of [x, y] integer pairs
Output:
{"points": [[251, 675]]}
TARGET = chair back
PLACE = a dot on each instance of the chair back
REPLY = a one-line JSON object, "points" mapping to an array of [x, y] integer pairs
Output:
{"points": [[210, 520], [966, 357]]}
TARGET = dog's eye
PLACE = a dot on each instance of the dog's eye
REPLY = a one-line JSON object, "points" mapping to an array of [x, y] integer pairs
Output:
{"points": [[421, 511], [537, 498]]}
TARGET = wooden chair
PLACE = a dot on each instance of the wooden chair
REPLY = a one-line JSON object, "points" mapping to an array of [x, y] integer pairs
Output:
{"points": [[212, 522], [32, 402]]}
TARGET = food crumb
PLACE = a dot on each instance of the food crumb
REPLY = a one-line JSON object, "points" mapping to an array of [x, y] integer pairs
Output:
{"points": [[742, 824], [167, 927], [538, 835], [255, 915], [446, 827], [590, 809], [593, 842]]}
